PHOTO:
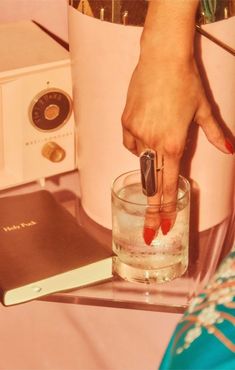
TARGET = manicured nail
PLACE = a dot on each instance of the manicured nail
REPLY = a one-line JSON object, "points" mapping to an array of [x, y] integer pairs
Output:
{"points": [[149, 235], [229, 146], [165, 225]]}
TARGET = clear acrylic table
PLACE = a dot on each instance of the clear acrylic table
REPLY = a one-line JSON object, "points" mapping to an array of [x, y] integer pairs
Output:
{"points": [[168, 297]]}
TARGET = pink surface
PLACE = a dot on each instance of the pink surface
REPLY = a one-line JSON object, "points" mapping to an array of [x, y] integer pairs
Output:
{"points": [[42, 335]]}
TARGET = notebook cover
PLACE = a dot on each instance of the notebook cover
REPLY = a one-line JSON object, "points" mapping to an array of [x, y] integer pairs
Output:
{"points": [[40, 240]]}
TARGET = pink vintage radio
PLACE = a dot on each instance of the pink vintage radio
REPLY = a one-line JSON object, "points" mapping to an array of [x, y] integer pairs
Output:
{"points": [[36, 123]]}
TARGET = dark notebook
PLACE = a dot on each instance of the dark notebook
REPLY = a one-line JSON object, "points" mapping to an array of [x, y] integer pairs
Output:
{"points": [[44, 250]]}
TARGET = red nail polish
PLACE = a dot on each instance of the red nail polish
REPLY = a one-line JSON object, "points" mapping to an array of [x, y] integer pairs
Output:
{"points": [[165, 225], [149, 235], [229, 146]]}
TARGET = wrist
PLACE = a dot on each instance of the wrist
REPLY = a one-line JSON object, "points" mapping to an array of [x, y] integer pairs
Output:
{"points": [[169, 29], [164, 49]]}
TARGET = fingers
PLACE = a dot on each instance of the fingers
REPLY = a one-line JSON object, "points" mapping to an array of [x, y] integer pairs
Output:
{"points": [[212, 129], [152, 220], [170, 192], [161, 209]]}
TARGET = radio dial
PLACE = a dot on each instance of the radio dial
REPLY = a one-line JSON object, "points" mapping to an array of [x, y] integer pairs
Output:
{"points": [[50, 109], [53, 152]]}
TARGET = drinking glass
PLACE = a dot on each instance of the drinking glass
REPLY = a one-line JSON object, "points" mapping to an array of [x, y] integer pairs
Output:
{"points": [[166, 258]]}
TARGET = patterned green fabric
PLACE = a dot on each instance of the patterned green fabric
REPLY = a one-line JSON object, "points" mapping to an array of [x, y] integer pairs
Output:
{"points": [[205, 337]]}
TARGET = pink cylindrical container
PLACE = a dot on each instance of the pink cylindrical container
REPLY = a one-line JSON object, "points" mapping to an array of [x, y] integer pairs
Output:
{"points": [[104, 55]]}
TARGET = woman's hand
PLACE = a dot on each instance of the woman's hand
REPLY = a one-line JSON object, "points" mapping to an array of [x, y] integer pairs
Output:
{"points": [[164, 97]]}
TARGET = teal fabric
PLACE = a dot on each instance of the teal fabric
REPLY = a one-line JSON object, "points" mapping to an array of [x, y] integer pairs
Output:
{"points": [[204, 339]]}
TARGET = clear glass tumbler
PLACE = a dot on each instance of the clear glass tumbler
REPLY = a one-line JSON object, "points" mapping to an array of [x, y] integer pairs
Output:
{"points": [[166, 258]]}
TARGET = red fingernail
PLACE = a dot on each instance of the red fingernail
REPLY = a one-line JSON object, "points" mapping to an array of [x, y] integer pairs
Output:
{"points": [[229, 146], [149, 235], [165, 225]]}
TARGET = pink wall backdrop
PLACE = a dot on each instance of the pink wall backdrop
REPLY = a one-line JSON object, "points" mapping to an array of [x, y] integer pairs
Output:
{"points": [[51, 14]]}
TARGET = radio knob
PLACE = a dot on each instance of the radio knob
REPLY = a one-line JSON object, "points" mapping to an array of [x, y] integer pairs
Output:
{"points": [[51, 112], [53, 152]]}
